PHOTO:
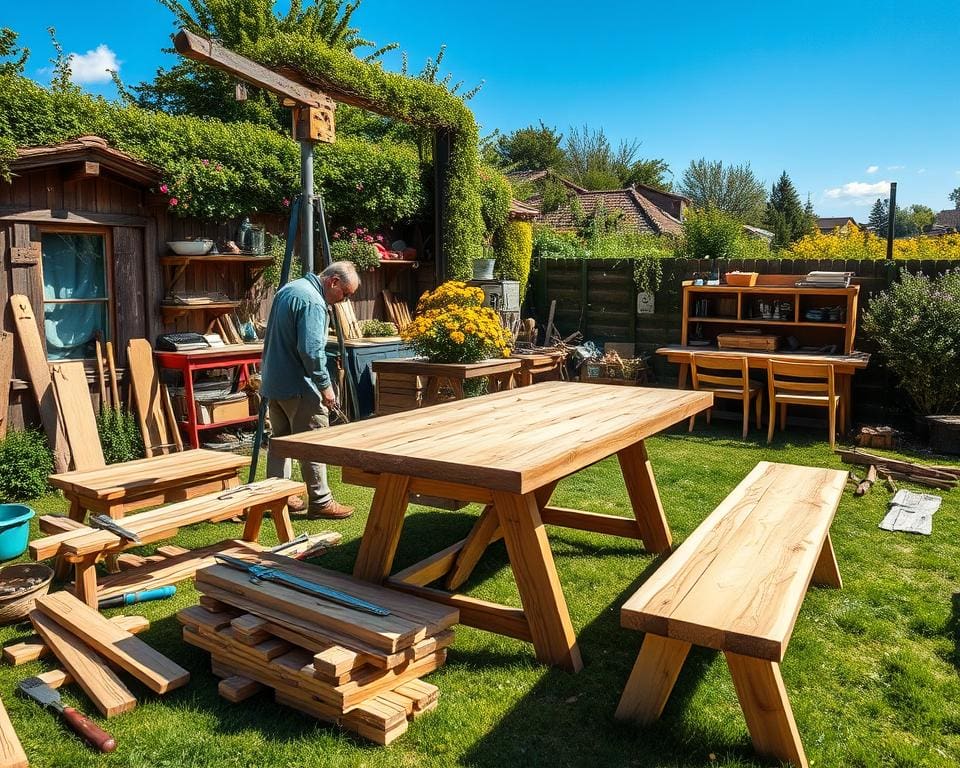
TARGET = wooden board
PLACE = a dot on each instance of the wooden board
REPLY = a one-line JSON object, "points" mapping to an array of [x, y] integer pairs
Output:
{"points": [[34, 648], [764, 343], [6, 374], [35, 356], [150, 667], [11, 751], [397, 310], [146, 392], [73, 394], [88, 669], [347, 320], [737, 582], [547, 426]]}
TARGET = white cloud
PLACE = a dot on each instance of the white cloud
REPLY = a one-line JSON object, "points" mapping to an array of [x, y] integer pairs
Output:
{"points": [[857, 189], [895, 167], [922, 170], [873, 168], [92, 66]]}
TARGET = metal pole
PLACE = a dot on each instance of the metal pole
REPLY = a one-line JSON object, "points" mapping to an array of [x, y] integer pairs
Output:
{"points": [[891, 218], [306, 205]]}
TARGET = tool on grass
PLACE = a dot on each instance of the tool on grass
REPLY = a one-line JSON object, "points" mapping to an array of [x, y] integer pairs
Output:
{"points": [[79, 723], [259, 573], [287, 544], [129, 598], [105, 523]]}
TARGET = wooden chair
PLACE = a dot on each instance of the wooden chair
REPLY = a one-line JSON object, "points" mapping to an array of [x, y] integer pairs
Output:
{"points": [[733, 383], [795, 383]]}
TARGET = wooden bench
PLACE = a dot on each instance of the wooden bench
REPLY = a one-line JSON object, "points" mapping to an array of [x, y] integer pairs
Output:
{"points": [[85, 546], [736, 585]]}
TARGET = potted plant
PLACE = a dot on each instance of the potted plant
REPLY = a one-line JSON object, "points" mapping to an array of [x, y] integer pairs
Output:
{"points": [[356, 245], [483, 267]]}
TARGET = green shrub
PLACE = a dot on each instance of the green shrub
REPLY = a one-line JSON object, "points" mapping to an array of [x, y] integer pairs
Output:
{"points": [[495, 195], [709, 233], [916, 324], [514, 249], [356, 246], [377, 328], [549, 243], [25, 463], [120, 436]]}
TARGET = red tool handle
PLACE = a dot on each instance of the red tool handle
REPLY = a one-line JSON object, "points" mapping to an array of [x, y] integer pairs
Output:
{"points": [[92, 733]]}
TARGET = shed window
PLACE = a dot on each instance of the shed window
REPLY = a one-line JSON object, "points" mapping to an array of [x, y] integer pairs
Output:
{"points": [[76, 304]]}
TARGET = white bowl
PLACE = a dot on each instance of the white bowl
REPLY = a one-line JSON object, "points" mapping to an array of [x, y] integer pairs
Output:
{"points": [[190, 247]]}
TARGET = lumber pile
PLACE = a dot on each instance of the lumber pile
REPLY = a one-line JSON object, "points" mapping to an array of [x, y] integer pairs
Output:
{"points": [[943, 478], [335, 663]]}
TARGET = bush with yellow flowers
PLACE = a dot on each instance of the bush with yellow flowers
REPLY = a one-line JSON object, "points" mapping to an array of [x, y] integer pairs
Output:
{"points": [[860, 244], [451, 326]]}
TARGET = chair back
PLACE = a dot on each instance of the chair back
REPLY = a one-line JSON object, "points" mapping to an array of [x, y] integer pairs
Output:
{"points": [[726, 371], [787, 377]]}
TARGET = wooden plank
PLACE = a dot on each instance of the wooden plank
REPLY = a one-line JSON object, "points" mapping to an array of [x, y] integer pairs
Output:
{"points": [[146, 391], [11, 751], [128, 267], [36, 360], [87, 668], [73, 394], [112, 368], [101, 380], [130, 653], [6, 374], [34, 648], [237, 688], [610, 525]]}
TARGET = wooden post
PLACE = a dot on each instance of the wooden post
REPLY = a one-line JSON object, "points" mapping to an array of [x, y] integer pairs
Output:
{"points": [[441, 186]]}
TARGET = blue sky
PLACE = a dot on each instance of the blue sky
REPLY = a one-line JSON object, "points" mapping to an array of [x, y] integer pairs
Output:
{"points": [[845, 96]]}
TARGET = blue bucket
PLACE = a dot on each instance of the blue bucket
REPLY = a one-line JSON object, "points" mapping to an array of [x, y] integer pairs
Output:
{"points": [[14, 529]]}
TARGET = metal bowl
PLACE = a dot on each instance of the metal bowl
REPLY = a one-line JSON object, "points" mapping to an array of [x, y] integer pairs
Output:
{"points": [[190, 247]]}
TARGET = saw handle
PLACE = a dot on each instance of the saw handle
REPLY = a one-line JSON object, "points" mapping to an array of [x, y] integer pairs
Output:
{"points": [[92, 733]]}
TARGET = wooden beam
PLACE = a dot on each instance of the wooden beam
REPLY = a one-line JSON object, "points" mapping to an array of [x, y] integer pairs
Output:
{"points": [[82, 171], [62, 216], [198, 48]]}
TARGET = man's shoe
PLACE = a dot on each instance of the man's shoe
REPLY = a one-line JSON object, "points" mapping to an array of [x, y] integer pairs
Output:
{"points": [[295, 504], [332, 510]]}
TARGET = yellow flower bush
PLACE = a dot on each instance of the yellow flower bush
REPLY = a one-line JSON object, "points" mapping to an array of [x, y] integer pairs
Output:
{"points": [[861, 244], [451, 326]]}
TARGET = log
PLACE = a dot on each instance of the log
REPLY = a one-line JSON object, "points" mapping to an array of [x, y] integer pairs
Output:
{"points": [[865, 486], [896, 465]]}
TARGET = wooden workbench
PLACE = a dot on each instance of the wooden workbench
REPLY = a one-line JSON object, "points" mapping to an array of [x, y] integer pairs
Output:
{"points": [[507, 451]]}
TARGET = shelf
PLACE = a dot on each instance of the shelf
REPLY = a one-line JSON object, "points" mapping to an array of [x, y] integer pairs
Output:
{"points": [[173, 311], [227, 423], [734, 321], [224, 258], [408, 262], [772, 290]]}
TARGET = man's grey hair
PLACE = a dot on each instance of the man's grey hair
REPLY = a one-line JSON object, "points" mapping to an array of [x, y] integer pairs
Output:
{"points": [[345, 271]]}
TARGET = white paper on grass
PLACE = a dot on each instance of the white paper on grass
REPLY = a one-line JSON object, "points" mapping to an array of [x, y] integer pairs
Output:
{"points": [[911, 512]]}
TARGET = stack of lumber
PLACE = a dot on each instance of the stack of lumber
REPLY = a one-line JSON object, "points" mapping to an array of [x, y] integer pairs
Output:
{"points": [[90, 648], [332, 662], [398, 392], [942, 477]]}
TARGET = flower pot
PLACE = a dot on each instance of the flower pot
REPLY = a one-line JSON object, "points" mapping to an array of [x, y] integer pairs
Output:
{"points": [[14, 529], [483, 269]]}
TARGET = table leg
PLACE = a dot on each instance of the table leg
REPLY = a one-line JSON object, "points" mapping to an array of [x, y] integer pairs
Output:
{"points": [[532, 562], [85, 583], [432, 395], [281, 521], [846, 385], [645, 498], [382, 532], [457, 385], [682, 376], [191, 404], [654, 674]]}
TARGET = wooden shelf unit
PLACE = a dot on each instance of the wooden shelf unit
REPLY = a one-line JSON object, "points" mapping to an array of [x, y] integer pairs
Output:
{"points": [[175, 266], [739, 302]]}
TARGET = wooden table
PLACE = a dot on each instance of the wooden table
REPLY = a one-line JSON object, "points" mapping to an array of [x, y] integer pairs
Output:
{"points": [[844, 366], [532, 363], [499, 372], [230, 356], [507, 451], [121, 488]]}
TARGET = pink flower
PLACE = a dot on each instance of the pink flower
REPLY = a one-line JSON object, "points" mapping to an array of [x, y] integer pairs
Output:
{"points": [[205, 162], [173, 201], [336, 235], [219, 167], [359, 186], [368, 239], [286, 202], [164, 189], [380, 239]]}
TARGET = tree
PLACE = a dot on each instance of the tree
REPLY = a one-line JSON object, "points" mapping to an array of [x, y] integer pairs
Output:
{"points": [[734, 190], [955, 197], [922, 217], [809, 217], [785, 216], [9, 48], [191, 87], [878, 217], [904, 224], [592, 162], [531, 149]]}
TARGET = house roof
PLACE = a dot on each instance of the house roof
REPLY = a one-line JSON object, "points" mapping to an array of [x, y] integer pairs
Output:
{"points": [[86, 149], [830, 223], [949, 218], [528, 177], [523, 211], [638, 211], [758, 232]]}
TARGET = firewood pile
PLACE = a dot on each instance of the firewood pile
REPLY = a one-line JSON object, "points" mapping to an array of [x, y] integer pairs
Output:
{"points": [[942, 477], [330, 661]]}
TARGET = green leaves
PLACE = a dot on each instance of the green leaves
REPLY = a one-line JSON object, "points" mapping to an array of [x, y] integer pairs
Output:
{"points": [[25, 462]]}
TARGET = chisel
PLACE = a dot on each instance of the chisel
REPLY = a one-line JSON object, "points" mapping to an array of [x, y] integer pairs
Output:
{"points": [[129, 598], [83, 726]]}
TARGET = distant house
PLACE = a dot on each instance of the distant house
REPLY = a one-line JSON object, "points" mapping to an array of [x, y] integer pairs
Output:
{"points": [[757, 233], [644, 208], [843, 223], [948, 219]]}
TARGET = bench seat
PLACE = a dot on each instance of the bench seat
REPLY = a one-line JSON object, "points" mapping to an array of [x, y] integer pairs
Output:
{"points": [[84, 546], [736, 585]]}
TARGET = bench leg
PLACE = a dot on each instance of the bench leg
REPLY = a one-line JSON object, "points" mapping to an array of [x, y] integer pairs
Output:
{"points": [[85, 584], [253, 520], [651, 681], [644, 497], [281, 521], [766, 708], [382, 531], [826, 572], [484, 532]]}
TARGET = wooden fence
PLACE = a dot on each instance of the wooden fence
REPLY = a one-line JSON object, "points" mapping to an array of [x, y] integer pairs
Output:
{"points": [[598, 297]]}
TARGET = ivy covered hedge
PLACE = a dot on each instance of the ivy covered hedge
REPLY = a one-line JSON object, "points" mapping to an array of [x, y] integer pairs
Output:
{"points": [[363, 183]]}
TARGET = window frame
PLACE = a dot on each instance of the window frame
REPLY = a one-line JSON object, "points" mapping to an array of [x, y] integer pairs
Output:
{"points": [[107, 234]]}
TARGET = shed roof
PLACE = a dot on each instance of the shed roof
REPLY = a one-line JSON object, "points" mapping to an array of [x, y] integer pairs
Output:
{"points": [[638, 211], [86, 148]]}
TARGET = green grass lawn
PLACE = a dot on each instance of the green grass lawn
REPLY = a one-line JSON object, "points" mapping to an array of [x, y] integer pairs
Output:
{"points": [[871, 670]]}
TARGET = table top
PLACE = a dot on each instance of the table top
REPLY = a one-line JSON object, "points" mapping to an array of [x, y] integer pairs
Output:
{"points": [[227, 350], [853, 360], [537, 357], [421, 367], [136, 477], [516, 440]]}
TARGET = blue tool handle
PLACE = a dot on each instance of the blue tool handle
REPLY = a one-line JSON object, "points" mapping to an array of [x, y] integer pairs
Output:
{"points": [[159, 593]]}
